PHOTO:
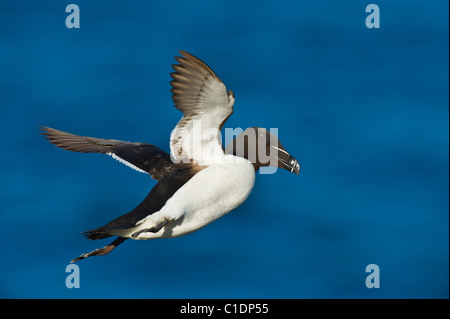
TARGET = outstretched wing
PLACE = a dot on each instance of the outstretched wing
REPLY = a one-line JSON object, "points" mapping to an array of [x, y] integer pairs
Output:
{"points": [[203, 98], [145, 158]]}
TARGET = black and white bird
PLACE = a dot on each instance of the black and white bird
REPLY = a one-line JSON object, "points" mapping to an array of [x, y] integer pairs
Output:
{"points": [[199, 181]]}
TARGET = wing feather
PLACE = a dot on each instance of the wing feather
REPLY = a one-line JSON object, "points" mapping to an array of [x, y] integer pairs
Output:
{"points": [[203, 98], [142, 157]]}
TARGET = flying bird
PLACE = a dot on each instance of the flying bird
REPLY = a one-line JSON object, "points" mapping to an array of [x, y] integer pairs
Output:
{"points": [[199, 181]]}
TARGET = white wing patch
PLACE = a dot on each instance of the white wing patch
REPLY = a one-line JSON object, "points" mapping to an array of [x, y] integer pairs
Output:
{"points": [[126, 163], [203, 98]]}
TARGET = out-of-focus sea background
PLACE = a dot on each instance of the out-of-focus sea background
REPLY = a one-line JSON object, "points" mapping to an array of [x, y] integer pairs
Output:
{"points": [[365, 111]]}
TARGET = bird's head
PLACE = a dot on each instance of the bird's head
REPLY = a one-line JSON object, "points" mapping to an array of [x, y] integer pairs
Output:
{"points": [[262, 148]]}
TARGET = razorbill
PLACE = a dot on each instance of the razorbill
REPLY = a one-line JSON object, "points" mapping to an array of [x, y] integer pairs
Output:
{"points": [[199, 181]]}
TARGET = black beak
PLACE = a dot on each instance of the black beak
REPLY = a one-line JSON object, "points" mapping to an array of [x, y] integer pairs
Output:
{"points": [[287, 161], [291, 165]]}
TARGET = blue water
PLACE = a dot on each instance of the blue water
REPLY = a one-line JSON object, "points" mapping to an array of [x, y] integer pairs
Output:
{"points": [[365, 111]]}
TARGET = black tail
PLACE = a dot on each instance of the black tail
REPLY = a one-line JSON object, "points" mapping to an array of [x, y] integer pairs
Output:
{"points": [[96, 234]]}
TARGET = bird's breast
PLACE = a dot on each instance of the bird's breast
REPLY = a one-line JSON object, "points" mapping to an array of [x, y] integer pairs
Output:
{"points": [[210, 194]]}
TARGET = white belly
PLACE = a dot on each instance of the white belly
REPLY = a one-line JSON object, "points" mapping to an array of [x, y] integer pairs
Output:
{"points": [[207, 196]]}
